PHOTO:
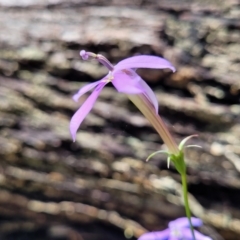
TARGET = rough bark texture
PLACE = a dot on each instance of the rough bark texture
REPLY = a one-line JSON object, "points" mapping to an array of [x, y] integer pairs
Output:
{"points": [[101, 187]]}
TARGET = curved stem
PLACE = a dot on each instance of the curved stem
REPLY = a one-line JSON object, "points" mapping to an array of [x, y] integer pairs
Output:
{"points": [[185, 197]]}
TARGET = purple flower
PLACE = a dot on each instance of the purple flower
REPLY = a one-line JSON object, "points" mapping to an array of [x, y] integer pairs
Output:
{"points": [[178, 229], [124, 78]]}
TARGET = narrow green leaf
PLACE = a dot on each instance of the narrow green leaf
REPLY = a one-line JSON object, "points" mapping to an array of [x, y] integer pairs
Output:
{"points": [[153, 154], [182, 143]]}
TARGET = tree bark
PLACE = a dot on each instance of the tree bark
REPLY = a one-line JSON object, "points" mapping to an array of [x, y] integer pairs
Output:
{"points": [[100, 187]]}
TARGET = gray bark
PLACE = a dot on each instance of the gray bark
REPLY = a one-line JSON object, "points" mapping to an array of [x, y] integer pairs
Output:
{"points": [[52, 187]]}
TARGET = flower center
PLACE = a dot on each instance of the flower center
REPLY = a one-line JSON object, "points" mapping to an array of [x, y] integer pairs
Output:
{"points": [[109, 78], [176, 233]]}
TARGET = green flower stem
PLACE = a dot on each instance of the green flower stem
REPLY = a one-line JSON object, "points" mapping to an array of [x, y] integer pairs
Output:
{"points": [[180, 165], [185, 197]]}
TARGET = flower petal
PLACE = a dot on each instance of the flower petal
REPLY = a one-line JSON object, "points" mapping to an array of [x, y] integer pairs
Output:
{"points": [[173, 238], [82, 112], [184, 223], [187, 234], [144, 61], [148, 92], [85, 89], [127, 82], [160, 235]]}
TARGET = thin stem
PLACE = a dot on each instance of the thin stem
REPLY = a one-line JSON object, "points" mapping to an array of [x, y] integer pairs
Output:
{"points": [[185, 197]]}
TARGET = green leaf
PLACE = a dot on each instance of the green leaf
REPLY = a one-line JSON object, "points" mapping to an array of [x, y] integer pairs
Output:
{"points": [[193, 146], [153, 154], [168, 162], [182, 143]]}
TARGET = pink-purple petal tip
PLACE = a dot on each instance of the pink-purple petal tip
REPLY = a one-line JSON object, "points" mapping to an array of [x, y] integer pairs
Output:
{"points": [[83, 111], [183, 222], [144, 61]]}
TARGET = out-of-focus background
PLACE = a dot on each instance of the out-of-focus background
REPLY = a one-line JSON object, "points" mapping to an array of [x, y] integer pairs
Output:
{"points": [[100, 187]]}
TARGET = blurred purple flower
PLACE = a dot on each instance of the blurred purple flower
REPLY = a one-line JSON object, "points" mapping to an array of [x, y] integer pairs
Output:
{"points": [[124, 78], [178, 229]]}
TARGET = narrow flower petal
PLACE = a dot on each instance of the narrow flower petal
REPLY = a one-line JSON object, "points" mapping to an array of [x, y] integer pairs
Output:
{"points": [[149, 94], [160, 235], [82, 112], [127, 82], [187, 234], [144, 61], [184, 223], [85, 89]]}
